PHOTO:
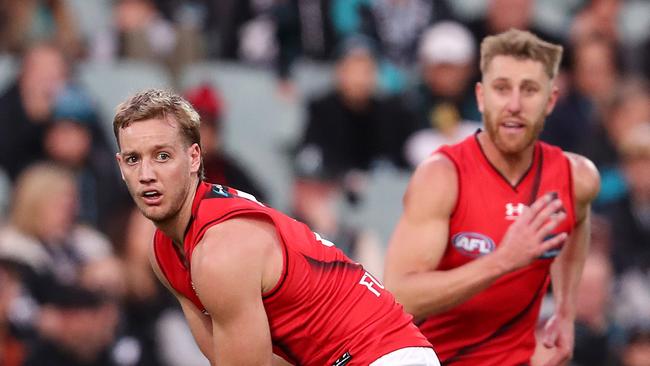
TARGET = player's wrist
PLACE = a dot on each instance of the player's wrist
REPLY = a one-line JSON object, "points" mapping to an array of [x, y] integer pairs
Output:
{"points": [[565, 312], [499, 263]]}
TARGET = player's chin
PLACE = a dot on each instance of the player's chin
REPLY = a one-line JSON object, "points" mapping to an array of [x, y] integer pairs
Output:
{"points": [[153, 213]]}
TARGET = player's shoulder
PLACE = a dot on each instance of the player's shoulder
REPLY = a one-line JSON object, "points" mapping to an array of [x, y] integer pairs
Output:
{"points": [[243, 236], [434, 184], [586, 179], [436, 170]]}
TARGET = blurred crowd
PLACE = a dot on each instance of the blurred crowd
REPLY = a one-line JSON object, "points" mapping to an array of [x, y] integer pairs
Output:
{"points": [[75, 283]]}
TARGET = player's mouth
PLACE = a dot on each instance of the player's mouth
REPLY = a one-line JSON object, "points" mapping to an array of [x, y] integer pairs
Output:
{"points": [[513, 126], [151, 197]]}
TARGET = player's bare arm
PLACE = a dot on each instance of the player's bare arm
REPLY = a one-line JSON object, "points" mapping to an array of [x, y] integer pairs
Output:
{"points": [[421, 236], [567, 268], [200, 325], [235, 262]]}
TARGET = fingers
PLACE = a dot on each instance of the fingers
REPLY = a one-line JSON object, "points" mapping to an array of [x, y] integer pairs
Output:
{"points": [[552, 243], [549, 223], [559, 357], [553, 213], [538, 206], [548, 340]]}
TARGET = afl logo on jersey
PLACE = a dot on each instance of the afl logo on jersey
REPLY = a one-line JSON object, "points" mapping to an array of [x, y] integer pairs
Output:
{"points": [[472, 244]]}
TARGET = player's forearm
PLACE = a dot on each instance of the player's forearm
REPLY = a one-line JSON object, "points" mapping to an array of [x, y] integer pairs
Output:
{"points": [[566, 271], [429, 293], [239, 352], [242, 339]]}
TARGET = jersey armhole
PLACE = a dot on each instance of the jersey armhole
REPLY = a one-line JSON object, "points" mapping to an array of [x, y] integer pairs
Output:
{"points": [[458, 181], [252, 213], [572, 195]]}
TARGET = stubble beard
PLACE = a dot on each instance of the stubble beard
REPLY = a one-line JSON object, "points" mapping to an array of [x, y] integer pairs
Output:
{"points": [[511, 148], [156, 214]]}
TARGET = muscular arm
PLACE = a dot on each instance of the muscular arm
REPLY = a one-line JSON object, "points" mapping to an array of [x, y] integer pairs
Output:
{"points": [[566, 270], [421, 236], [232, 265], [199, 324]]}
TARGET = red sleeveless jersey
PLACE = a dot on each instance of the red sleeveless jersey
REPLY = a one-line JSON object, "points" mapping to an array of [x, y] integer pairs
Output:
{"points": [[496, 326], [325, 309]]}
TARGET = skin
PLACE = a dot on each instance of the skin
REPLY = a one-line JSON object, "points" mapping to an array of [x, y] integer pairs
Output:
{"points": [[233, 264], [43, 74], [356, 78], [513, 92]]}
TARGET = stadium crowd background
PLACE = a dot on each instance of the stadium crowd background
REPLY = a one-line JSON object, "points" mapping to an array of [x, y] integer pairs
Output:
{"points": [[319, 107]]}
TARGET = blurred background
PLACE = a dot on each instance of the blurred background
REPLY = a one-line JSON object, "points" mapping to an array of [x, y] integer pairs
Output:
{"points": [[322, 109]]}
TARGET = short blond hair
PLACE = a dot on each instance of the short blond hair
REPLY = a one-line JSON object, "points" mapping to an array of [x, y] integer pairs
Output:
{"points": [[160, 103], [521, 45]]}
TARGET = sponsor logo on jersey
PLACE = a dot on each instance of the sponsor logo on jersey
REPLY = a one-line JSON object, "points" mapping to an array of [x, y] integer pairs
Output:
{"points": [[514, 210], [220, 191], [472, 244]]}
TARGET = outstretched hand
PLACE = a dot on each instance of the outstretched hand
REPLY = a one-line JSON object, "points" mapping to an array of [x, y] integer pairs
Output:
{"points": [[529, 236]]}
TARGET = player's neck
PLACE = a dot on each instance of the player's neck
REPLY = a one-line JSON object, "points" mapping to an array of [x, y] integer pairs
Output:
{"points": [[511, 166], [176, 226]]}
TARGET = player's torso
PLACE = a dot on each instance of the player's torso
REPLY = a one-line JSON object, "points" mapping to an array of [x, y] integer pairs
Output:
{"points": [[323, 306], [500, 318]]}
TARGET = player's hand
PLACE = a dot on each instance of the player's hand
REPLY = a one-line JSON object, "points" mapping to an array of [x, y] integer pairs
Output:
{"points": [[528, 237], [558, 336]]}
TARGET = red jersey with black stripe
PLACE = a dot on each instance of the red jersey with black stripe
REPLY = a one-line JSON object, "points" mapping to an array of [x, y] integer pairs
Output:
{"points": [[496, 326], [325, 310]]}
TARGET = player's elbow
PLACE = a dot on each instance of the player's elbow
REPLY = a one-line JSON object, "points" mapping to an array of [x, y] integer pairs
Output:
{"points": [[404, 297]]}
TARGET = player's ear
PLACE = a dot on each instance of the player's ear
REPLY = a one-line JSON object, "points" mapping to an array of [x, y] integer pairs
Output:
{"points": [[118, 157], [478, 90], [195, 157], [552, 99]]}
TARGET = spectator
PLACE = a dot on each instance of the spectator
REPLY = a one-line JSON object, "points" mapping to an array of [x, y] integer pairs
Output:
{"points": [[219, 166], [502, 15], [26, 108], [76, 140], [151, 315], [597, 18], [303, 29], [43, 233], [627, 108], [76, 327], [140, 32], [630, 216], [246, 30], [631, 227], [637, 349], [594, 328], [396, 26], [23, 23], [594, 77], [443, 103], [348, 131]]}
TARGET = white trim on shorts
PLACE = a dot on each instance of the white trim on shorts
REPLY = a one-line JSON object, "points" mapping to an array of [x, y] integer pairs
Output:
{"points": [[409, 356]]}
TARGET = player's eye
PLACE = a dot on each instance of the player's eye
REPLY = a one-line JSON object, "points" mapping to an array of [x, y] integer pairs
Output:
{"points": [[162, 156], [530, 89], [131, 160]]}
